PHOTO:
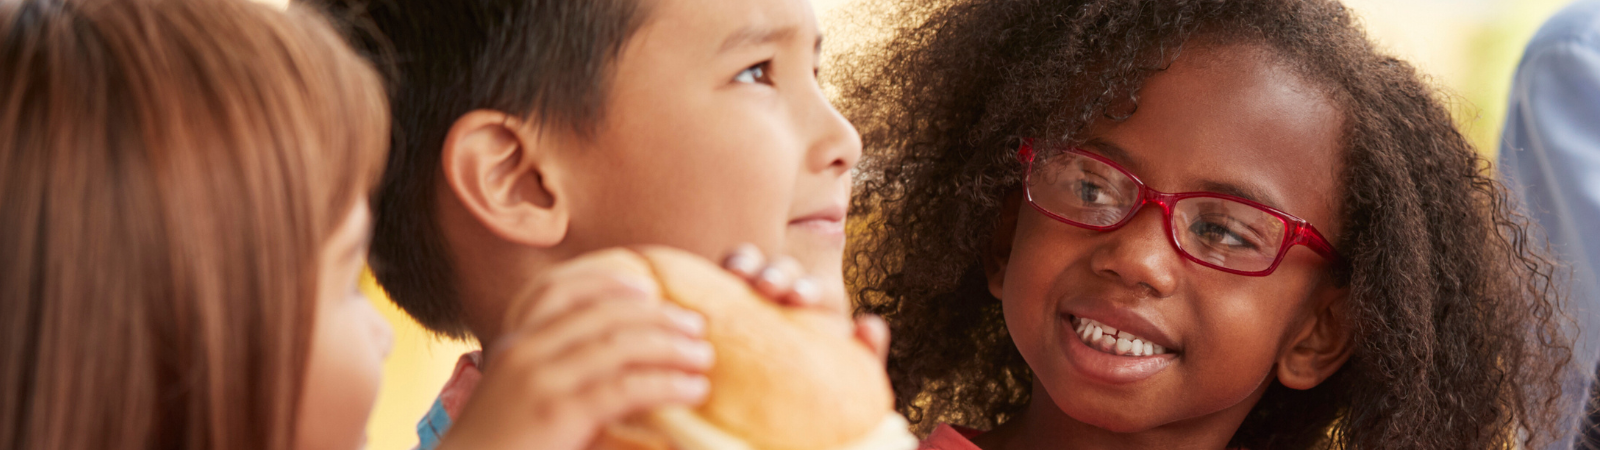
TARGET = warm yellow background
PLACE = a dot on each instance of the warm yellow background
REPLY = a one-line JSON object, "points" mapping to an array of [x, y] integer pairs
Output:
{"points": [[1469, 47]]}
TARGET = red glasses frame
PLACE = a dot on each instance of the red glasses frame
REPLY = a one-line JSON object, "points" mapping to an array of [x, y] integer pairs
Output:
{"points": [[1297, 231]]}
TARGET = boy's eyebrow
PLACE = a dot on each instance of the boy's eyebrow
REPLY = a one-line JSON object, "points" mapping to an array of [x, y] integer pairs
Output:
{"points": [[757, 36]]}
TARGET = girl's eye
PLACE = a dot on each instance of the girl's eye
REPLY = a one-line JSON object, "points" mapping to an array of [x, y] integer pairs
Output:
{"points": [[1219, 235], [1091, 194], [755, 74]]}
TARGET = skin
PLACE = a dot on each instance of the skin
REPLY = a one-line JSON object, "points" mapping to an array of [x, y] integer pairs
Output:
{"points": [[348, 345], [708, 141], [715, 133], [351, 340], [1226, 118]]}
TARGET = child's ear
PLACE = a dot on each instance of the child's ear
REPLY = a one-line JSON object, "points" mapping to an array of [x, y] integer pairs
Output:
{"points": [[500, 168], [1322, 344], [999, 254]]}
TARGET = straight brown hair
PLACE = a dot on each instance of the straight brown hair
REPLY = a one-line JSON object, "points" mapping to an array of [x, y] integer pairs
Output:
{"points": [[169, 170]]}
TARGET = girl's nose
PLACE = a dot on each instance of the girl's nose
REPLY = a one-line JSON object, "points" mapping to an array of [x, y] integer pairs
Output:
{"points": [[1139, 256]]}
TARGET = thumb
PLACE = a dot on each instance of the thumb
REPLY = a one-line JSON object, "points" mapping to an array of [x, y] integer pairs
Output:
{"points": [[872, 331]]}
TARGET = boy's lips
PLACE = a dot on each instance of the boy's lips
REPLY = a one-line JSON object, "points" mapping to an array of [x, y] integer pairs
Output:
{"points": [[828, 221]]}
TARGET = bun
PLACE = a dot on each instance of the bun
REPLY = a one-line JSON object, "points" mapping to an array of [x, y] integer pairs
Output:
{"points": [[784, 378]]}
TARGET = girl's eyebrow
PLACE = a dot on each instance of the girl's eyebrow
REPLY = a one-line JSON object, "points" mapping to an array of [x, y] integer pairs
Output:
{"points": [[1245, 192], [1122, 156], [1115, 152]]}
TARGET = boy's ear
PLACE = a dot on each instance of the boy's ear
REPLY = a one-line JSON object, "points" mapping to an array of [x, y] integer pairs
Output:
{"points": [[999, 254], [1322, 344], [500, 168]]}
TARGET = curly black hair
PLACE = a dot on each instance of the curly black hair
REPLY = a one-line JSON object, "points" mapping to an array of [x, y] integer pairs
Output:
{"points": [[1456, 322]]}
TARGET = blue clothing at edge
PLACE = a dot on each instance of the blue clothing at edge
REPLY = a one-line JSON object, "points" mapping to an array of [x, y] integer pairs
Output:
{"points": [[1550, 155]]}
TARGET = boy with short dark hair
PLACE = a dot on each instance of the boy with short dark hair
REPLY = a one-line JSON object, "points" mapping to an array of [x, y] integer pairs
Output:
{"points": [[528, 132]]}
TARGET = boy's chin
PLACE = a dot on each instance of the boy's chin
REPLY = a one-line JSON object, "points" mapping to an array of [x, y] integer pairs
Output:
{"points": [[821, 254]]}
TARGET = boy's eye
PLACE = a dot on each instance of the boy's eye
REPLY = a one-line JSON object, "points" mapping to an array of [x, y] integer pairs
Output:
{"points": [[755, 74]]}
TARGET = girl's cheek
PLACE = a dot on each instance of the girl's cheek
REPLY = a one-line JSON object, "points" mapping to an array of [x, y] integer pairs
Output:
{"points": [[382, 335], [343, 374]]}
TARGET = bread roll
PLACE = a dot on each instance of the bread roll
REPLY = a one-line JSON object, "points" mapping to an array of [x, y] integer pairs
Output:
{"points": [[784, 378]]}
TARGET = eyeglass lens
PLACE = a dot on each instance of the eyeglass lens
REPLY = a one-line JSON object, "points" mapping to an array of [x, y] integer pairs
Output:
{"points": [[1217, 231]]}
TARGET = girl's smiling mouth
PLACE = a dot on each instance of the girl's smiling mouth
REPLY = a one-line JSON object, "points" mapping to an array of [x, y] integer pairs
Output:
{"points": [[1106, 339], [1110, 355]]}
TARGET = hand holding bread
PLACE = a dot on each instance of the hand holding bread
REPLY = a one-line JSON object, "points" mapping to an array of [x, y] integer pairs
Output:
{"points": [[615, 352], [593, 344], [784, 379]]}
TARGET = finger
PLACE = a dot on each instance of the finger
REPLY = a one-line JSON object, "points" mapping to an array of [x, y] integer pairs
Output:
{"points": [[872, 331], [550, 293], [581, 290], [776, 281], [745, 260], [613, 399], [626, 352], [597, 322], [806, 293]]}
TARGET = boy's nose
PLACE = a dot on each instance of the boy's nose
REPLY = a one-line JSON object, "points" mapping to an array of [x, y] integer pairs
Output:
{"points": [[835, 146], [1139, 256]]}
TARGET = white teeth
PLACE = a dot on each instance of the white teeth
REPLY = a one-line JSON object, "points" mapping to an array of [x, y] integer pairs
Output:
{"points": [[1108, 340]]}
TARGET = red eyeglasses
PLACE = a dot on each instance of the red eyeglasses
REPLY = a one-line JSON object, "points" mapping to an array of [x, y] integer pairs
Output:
{"points": [[1219, 231]]}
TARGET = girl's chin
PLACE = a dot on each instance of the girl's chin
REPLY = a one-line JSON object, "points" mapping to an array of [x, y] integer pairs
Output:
{"points": [[1114, 422]]}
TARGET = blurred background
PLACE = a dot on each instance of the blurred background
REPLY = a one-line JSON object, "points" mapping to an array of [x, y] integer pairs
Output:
{"points": [[1468, 47]]}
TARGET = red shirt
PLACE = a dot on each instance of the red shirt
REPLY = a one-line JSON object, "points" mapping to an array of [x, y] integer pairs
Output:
{"points": [[947, 437]]}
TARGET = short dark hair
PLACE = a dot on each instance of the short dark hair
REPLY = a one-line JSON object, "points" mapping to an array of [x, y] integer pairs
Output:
{"points": [[443, 58]]}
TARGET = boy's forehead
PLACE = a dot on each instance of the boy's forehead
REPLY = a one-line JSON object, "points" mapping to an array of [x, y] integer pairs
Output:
{"points": [[731, 24]]}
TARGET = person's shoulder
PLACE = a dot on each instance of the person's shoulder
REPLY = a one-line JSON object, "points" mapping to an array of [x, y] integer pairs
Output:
{"points": [[947, 437], [1577, 22]]}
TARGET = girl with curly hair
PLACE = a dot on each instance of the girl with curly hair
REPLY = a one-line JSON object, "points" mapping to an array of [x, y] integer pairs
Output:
{"points": [[1189, 224]]}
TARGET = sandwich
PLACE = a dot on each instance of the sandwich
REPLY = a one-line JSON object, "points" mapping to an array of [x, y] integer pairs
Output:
{"points": [[784, 378]]}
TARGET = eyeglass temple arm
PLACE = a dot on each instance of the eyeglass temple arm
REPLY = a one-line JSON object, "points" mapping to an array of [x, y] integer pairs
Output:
{"points": [[1309, 237], [1025, 152]]}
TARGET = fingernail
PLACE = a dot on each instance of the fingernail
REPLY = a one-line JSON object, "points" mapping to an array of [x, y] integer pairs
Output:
{"points": [[693, 386], [743, 263], [635, 284], [699, 352], [806, 291], [772, 276], [689, 321]]}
